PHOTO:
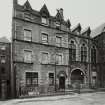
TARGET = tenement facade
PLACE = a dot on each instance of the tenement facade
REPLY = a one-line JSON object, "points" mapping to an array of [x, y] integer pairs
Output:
{"points": [[47, 54]]}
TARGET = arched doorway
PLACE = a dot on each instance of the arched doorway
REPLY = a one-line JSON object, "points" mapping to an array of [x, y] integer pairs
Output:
{"points": [[77, 75], [62, 78]]}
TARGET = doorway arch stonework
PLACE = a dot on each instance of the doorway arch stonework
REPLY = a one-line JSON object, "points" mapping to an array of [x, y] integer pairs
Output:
{"points": [[82, 71]]}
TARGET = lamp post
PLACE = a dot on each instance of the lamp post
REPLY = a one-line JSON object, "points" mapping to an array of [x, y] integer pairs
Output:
{"points": [[55, 74]]}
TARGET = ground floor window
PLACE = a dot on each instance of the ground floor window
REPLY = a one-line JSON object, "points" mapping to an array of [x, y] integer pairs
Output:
{"points": [[51, 78], [31, 78]]}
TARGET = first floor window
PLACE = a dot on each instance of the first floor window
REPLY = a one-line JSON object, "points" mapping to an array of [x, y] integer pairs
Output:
{"points": [[51, 78], [31, 78], [45, 58], [27, 56]]}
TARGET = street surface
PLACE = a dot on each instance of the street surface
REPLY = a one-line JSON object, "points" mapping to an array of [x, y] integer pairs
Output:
{"points": [[76, 99]]}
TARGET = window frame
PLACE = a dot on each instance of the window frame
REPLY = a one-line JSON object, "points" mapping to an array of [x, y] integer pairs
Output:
{"points": [[27, 38], [48, 57], [84, 52], [72, 50], [43, 41], [31, 79], [93, 54], [57, 43], [57, 59], [27, 61], [45, 19], [51, 78], [27, 16]]}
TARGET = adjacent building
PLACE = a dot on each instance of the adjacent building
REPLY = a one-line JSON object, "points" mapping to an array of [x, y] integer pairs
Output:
{"points": [[47, 54], [5, 68], [99, 39]]}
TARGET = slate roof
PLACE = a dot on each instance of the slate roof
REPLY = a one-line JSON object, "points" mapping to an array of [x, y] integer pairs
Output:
{"points": [[86, 30], [98, 30], [4, 39], [76, 27]]}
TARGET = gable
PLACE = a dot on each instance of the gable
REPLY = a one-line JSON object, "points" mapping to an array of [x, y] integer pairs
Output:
{"points": [[44, 11]]}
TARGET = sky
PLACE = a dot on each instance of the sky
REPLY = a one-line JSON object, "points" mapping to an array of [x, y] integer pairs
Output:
{"points": [[86, 12]]}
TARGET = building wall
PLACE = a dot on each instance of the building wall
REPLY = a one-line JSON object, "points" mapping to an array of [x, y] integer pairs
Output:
{"points": [[5, 70], [36, 46]]}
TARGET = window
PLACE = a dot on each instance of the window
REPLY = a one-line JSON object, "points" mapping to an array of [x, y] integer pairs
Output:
{"points": [[44, 38], [27, 35], [31, 78], [3, 59], [3, 48], [27, 56], [58, 59], [3, 70], [27, 16], [51, 79], [45, 21], [93, 55], [58, 41], [72, 51], [57, 24], [83, 53], [45, 59]]}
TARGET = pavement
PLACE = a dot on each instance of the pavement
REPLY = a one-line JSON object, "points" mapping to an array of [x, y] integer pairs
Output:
{"points": [[96, 98]]}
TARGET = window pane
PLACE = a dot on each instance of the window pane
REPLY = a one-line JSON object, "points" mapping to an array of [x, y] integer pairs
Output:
{"points": [[44, 38], [83, 53], [31, 78], [27, 35], [58, 59], [44, 20], [51, 78], [58, 41], [27, 56], [44, 57]]}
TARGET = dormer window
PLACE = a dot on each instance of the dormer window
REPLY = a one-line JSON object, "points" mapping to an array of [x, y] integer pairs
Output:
{"points": [[45, 21], [27, 16], [57, 24]]}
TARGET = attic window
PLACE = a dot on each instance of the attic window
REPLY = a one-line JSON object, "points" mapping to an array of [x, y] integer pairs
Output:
{"points": [[45, 21], [57, 24], [27, 16]]}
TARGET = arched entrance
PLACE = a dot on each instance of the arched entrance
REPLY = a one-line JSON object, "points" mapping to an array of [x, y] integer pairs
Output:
{"points": [[62, 77], [77, 75]]}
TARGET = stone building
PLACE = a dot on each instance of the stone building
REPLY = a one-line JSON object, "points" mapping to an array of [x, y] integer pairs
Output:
{"points": [[5, 68], [47, 54], [99, 39]]}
